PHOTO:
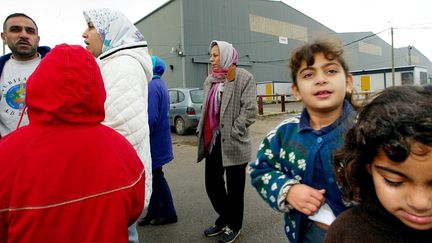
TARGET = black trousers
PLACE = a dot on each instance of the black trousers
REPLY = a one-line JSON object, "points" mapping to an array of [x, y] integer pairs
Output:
{"points": [[227, 202]]}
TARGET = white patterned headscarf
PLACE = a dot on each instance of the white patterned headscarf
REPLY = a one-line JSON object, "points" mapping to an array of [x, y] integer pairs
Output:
{"points": [[113, 27]]}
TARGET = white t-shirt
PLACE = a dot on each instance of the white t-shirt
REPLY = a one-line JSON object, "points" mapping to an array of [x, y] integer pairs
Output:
{"points": [[12, 93]]}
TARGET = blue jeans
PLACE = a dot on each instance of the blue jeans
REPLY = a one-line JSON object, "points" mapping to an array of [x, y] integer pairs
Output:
{"points": [[311, 233], [161, 202], [133, 233]]}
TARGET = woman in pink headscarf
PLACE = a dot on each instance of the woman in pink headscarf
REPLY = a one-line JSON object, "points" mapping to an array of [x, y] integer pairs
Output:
{"points": [[223, 137]]}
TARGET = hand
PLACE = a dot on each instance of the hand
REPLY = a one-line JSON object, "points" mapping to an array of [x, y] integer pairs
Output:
{"points": [[305, 199]]}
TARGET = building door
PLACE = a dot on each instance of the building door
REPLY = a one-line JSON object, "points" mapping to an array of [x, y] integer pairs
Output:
{"points": [[365, 85], [268, 91]]}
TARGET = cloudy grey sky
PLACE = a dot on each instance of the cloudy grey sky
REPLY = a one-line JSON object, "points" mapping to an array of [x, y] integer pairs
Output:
{"points": [[62, 21]]}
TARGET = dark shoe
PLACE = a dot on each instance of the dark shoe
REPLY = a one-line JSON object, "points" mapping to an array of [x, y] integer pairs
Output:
{"points": [[145, 221], [163, 220], [213, 231], [229, 235]]}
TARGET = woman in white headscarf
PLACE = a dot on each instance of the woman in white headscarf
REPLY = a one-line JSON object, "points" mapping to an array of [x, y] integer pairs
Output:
{"points": [[126, 68], [229, 109]]}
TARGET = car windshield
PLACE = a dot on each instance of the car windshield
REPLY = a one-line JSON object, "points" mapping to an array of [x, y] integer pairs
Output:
{"points": [[197, 96]]}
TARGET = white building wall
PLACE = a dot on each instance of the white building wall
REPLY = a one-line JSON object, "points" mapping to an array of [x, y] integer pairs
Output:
{"points": [[379, 81]]}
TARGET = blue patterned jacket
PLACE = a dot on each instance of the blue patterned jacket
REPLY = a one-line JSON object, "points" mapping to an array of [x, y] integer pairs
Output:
{"points": [[287, 156]]}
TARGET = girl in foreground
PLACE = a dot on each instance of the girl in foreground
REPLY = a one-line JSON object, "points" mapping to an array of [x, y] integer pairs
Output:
{"points": [[386, 167]]}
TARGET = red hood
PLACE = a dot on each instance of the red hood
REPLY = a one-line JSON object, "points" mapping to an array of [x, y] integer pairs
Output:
{"points": [[63, 90]]}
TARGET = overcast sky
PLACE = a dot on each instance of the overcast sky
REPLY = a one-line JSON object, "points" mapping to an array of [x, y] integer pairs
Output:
{"points": [[63, 22]]}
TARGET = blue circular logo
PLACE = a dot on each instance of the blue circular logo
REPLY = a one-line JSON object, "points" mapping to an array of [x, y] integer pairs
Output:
{"points": [[15, 96]]}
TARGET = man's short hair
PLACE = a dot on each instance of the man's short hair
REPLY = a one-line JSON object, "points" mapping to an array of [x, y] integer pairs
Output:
{"points": [[17, 15]]}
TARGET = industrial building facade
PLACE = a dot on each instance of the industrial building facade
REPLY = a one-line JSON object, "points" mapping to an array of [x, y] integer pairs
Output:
{"points": [[263, 32]]}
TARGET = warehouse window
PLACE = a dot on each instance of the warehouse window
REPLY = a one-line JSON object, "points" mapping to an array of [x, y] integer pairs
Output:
{"points": [[277, 28], [407, 78], [423, 78], [370, 48]]}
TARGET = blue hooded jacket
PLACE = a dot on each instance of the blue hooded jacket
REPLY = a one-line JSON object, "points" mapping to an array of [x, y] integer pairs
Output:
{"points": [[159, 124], [42, 50]]}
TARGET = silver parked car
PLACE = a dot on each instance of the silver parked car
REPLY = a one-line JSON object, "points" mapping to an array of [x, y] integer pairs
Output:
{"points": [[185, 108]]}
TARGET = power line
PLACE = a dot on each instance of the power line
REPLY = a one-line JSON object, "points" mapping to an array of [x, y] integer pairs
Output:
{"points": [[417, 28], [352, 42]]}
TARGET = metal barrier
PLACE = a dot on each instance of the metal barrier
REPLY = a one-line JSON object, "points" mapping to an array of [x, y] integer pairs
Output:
{"points": [[362, 95], [282, 98], [261, 101]]}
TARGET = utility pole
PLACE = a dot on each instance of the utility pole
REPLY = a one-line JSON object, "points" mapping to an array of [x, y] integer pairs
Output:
{"points": [[409, 55], [393, 67]]}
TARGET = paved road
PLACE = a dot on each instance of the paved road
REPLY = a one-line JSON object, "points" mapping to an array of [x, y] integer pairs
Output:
{"points": [[195, 213]]}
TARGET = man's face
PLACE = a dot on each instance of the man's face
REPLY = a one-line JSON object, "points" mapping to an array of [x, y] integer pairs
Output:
{"points": [[22, 38]]}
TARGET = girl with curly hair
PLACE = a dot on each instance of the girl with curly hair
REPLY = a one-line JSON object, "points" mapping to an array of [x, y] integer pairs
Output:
{"points": [[385, 167]]}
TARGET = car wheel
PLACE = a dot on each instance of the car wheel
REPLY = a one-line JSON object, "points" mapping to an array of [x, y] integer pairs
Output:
{"points": [[180, 126]]}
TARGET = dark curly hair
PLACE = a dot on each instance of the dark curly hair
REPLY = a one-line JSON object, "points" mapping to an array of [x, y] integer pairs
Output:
{"points": [[391, 121], [331, 49]]}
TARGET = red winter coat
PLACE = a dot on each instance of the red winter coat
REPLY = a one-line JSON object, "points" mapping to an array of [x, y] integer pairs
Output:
{"points": [[65, 177]]}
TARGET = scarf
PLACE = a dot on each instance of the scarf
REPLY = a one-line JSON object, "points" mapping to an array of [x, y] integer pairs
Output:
{"points": [[211, 121], [113, 27], [228, 60]]}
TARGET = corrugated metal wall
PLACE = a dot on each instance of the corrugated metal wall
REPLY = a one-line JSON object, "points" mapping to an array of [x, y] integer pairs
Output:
{"points": [[162, 30], [263, 32]]}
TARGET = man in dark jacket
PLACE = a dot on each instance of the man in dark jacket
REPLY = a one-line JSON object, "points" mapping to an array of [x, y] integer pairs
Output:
{"points": [[20, 33]]}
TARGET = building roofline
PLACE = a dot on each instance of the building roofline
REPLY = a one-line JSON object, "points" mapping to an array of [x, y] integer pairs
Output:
{"points": [[152, 12], [385, 70]]}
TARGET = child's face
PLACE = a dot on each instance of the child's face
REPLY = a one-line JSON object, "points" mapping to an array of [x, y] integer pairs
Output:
{"points": [[405, 189], [322, 86]]}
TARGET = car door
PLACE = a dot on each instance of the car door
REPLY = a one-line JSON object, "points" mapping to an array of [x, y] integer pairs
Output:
{"points": [[177, 107], [196, 96]]}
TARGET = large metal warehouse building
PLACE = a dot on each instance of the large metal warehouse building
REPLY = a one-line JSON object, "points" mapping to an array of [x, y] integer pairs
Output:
{"points": [[263, 32]]}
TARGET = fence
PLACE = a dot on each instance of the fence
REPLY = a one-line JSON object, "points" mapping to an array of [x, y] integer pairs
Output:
{"points": [[261, 101], [283, 98]]}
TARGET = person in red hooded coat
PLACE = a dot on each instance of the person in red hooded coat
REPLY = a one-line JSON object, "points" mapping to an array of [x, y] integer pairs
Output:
{"points": [[66, 177]]}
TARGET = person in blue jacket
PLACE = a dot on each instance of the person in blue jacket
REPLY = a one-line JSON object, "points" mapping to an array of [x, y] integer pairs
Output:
{"points": [[20, 34], [161, 208]]}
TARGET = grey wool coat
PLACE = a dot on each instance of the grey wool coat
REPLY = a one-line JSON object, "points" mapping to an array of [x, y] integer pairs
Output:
{"points": [[238, 111]]}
